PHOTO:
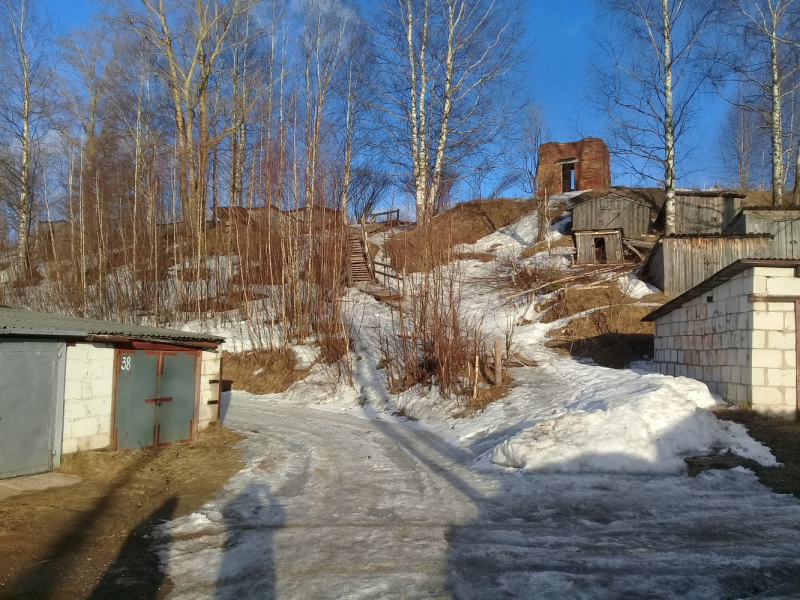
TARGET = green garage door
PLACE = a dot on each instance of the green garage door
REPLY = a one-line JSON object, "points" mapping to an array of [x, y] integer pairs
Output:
{"points": [[154, 401], [31, 395]]}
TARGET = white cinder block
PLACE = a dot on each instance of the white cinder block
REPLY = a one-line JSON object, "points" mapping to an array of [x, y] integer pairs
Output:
{"points": [[78, 352], [783, 286], [758, 376], [74, 409], [778, 340], [770, 359], [86, 388], [69, 446], [767, 395], [759, 339], [104, 426], [103, 388], [770, 321], [72, 389], [790, 396], [759, 284], [788, 320], [780, 377], [736, 375], [75, 370], [83, 427], [790, 359]]}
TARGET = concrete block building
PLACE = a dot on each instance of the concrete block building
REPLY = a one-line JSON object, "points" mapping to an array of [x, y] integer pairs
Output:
{"points": [[70, 384], [736, 331]]}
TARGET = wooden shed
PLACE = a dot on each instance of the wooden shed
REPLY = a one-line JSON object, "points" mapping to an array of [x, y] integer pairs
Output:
{"points": [[704, 212], [677, 263], [783, 222], [615, 209], [599, 247]]}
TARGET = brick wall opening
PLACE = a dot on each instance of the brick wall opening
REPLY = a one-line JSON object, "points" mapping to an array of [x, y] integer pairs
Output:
{"points": [[573, 166]]}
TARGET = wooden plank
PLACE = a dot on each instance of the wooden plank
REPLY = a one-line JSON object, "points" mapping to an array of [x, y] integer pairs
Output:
{"points": [[772, 298], [797, 354]]}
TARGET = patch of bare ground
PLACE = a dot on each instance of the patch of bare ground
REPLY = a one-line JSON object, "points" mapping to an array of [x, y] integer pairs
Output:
{"points": [[262, 372], [783, 438], [483, 257], [425, 247], [93, 539], [613, 336]]}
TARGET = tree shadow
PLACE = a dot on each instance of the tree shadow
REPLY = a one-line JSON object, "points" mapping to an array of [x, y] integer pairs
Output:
{"points": [[43, 579], [136, 571], [247, 567]]}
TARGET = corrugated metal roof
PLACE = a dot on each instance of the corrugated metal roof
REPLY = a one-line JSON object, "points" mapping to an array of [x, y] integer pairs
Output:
{"points": [[685, 236], [15, 321], [720, 277]]}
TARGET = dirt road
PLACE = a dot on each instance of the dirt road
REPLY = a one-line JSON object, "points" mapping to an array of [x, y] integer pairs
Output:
{"points": [[336, 505]]}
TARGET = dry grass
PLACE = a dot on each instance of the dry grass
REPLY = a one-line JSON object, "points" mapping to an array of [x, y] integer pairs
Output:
{"points": [[613, 336], [564, 242], [279, 371], [483, 257], [93, 539], [424, 248], [487, 395]]}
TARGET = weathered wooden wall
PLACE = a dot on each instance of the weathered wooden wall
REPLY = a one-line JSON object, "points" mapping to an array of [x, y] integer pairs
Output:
{"points": [[612, 212], [704, 214], [584, 243], [783, 224], [688, 261]]}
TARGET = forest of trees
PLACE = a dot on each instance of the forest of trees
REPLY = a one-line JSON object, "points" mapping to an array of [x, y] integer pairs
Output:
{"points": [[125, 142], [175, 158]]}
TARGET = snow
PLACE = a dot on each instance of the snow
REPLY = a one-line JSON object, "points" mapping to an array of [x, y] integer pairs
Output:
{"points": [[571, 486], [555, 258], [305, 355], [358, 504], [643, 425], [634, 287]]}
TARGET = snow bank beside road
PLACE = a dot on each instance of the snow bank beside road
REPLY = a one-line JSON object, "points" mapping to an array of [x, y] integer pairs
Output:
{"points": [[647, 424]]}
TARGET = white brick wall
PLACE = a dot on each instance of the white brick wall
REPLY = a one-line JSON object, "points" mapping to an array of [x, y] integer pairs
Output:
{"points": [[210, 367], [744, 351], [88, 397]]}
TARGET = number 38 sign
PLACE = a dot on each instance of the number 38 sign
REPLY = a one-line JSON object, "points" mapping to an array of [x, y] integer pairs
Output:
{"points": [[125, 364]]}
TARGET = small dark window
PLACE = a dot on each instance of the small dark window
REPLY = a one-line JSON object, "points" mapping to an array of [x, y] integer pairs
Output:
{"points": [[600, 257], [567, 177], [709, 298]]}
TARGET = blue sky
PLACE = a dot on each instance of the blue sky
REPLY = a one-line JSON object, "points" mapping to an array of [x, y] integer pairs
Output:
{"points": [[560, 47]]}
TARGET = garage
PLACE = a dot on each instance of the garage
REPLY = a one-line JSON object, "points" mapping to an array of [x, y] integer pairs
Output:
{"points": [[70, 384], [154, 397]]}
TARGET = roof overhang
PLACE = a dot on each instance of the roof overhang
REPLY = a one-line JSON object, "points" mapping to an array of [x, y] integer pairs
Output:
{"points": [[718, 278]]}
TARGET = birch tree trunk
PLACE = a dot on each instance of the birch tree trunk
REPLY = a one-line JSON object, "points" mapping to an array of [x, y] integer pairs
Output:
{"points": [[776, 125], [669, 127]]}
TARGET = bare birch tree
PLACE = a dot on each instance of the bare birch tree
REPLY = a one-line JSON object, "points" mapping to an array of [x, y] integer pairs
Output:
{"points": [[758, 49], [443, 65], [648, 78], [24, 78]]}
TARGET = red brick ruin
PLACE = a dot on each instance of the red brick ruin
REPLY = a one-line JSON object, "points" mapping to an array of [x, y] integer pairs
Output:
{"points": [[573, 166]]}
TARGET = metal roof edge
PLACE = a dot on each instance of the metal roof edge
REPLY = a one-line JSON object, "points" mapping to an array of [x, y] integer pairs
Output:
{"points": [[718, 278]]}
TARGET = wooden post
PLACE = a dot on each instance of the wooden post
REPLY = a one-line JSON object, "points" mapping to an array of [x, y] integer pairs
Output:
{"points": [[797, 356], [498, 364]]}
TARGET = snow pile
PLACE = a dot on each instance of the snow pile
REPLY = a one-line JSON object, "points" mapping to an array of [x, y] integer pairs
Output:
{"points": [[555, 258], [645, 424], [305, 355], [509, 240], [634, 287]]}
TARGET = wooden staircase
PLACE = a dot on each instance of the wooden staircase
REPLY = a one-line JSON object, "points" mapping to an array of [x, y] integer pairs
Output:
{"points": [[359, 268]]}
